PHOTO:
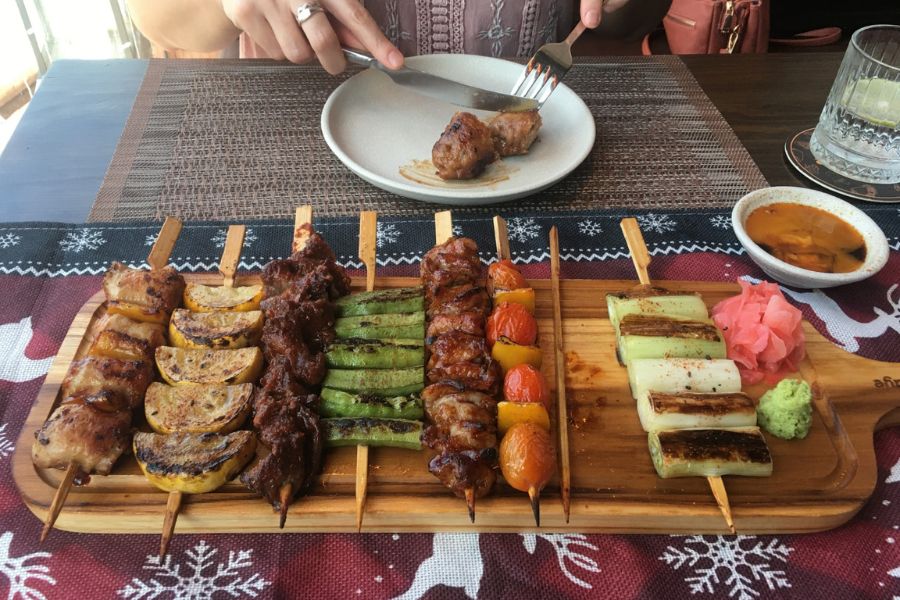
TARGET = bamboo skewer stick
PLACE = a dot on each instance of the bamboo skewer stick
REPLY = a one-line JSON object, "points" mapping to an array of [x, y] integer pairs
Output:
{"points": [[443, 231], [157, 259], [164, 244], [368, 225], [302, 216], [562, 406], [231, 256], [641, 259], [284, 500], [59, 499], [173, 506], [443, 226], [501, 239]]}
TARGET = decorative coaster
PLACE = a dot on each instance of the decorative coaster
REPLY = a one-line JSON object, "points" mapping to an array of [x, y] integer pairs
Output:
{"points": [[801, 158]]}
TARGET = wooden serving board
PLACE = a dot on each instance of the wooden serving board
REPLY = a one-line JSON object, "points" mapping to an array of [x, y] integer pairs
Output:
{"points": [[818, 483]]}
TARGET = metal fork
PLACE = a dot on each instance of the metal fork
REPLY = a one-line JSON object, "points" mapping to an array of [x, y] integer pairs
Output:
{"points": [[546, 68]]}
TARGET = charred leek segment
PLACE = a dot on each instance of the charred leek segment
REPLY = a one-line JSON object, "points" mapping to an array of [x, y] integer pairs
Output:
{"points": [[336, 403], [656, 301], [193, 463], [374, 354], [397, 433], [381, 302], [683, 410], [379, 327], [710, 452], [379, 382], [676, 375], [659, 336]]}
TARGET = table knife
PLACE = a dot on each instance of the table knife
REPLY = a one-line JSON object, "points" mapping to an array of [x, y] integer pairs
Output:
{"points": [[445, 90]]}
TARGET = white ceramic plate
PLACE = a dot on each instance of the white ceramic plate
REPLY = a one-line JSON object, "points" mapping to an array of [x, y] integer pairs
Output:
{"points": [[375, 127]]}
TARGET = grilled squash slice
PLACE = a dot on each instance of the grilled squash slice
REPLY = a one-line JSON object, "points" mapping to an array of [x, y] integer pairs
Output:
{"points": [[197, 408], [125, 339], [205, 298], [193, 463], [219, 329], [148, 296], [179, 366]]}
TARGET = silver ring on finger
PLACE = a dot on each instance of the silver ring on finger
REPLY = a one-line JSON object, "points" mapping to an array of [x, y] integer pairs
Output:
{"points": [[306, 11]]}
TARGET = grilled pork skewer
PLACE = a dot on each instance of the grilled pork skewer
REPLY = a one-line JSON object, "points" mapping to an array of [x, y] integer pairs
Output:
{"points": [[92, 409], [459, 403]]}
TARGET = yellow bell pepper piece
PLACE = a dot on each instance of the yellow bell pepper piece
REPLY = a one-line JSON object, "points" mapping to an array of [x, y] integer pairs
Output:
{"points": [[508, 354], [138, 312], [523, 296], [510, 413]]}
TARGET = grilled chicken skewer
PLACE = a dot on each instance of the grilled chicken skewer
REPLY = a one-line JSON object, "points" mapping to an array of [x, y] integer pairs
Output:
{"points": [[100, 393], [231, 256], [459, 403], [368, 225], [641, 259]]}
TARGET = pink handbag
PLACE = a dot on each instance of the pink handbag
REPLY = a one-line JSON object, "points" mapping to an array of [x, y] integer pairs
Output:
{"points": [[727, 27], [717, 26]]}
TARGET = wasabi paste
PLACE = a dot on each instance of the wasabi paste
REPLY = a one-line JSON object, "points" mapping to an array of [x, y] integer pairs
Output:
{"points": [[785, 411]]}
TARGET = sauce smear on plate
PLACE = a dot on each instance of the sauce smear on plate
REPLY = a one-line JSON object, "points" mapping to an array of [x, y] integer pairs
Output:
{"points": [[807, 237]]}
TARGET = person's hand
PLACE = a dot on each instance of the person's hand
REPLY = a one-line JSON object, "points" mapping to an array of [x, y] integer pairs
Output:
{"points": [[592, 10], [272, 25]]}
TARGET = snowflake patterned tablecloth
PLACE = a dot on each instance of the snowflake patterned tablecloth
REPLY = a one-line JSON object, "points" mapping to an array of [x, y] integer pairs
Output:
{"points": [[48, 271]]}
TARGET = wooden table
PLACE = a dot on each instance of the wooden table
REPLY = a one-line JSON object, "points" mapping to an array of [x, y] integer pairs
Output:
{"points": [[54, 163]]}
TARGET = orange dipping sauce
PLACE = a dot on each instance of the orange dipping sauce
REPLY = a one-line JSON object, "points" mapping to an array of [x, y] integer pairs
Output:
{"points": [[807, 237]]}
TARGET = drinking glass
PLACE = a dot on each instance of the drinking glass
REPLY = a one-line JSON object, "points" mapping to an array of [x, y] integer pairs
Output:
{"points": [[858, 134]]}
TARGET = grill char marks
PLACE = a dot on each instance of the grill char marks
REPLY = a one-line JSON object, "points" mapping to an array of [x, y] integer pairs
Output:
{"points": [[705, 404], [662, 326], [459, 403], [299, 324], [695, 445]]}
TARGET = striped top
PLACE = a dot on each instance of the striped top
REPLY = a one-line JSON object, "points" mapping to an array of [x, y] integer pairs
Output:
{"points": [[487, 27]]}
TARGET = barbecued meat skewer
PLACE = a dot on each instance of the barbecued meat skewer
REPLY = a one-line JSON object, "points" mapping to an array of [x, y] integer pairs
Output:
{"points": [[299, 323], [91, 428], [459, 403]]}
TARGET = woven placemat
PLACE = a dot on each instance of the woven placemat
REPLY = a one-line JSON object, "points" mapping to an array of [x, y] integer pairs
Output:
{"points": [[220, 139]]}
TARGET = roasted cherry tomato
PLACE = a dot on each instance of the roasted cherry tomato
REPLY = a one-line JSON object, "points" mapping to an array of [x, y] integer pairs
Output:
{"points": [[524, 383], [503, 275], [514, 322], [527, 458]]}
